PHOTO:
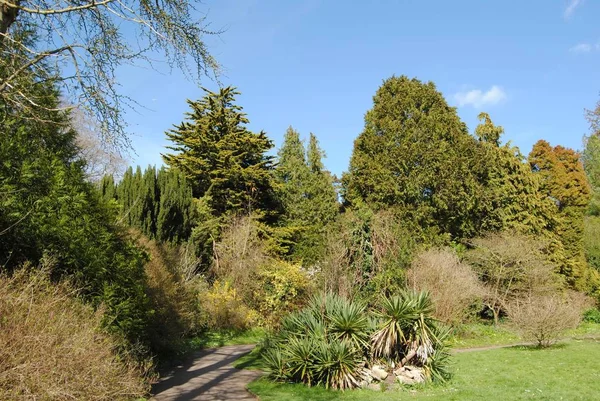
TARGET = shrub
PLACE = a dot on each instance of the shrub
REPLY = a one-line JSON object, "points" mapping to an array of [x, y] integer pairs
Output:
{"points": [[543, 318], [282, 288], [224, 309], [331, 340], [592, 315], [512, 266], [51, 346], [239, 254], [177, 313], [453, 285]]}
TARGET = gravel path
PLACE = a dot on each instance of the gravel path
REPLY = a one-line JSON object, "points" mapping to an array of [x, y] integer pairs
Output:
{"points": [[209, 376]]}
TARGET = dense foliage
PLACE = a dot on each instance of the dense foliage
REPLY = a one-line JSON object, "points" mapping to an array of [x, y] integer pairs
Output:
{"points": [[47, 208], [308, 196], [158, 203], [333, 339], [228, 237]]}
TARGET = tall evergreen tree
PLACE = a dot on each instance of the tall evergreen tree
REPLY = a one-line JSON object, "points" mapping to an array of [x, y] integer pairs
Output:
{"points": [[175, 217], [591, 164], [225, 162], [308, 195], [563, 180], [321, 191], [293, 173], [49, 209], [415, 154], [512, 199]]}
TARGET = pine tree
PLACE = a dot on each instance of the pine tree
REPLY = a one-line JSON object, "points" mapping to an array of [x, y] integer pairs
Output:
{"points": [[224, 161]]}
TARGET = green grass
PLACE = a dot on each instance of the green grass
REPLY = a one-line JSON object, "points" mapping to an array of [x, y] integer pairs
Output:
{"points": [[252, 360], [568, 371], [481, 334], [221, 338]]}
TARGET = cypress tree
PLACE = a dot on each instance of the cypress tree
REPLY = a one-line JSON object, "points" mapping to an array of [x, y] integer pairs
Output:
{"points": [[563, 181], [416, 155], [321, 191], [175, 217], [512, 199], [308, 195], [293, 174], [224, 161]]}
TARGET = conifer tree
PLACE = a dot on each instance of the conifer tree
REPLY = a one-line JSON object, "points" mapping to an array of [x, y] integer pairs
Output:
{"points": [[224, 161], [49, 209], [321, 190], [512, 199], [293, 174], [308, 195], [108, 189], [175, 216], [563, 180], [591, 164], [416, 155]]}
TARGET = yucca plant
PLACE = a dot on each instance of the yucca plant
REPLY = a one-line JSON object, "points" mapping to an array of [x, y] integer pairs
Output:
{"points": [[328, 342], [436, 368], [302, 324], [421, 338], [349, 323], [338, 365], [275, 364], [396, 315], [300, 357]]}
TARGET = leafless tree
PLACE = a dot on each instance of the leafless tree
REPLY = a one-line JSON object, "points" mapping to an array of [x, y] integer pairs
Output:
{"points": [[88, 40], [101, 158]]}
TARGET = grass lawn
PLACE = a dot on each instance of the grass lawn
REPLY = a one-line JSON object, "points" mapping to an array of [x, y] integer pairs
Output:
{"points": [[221, 338], [567, 371]]}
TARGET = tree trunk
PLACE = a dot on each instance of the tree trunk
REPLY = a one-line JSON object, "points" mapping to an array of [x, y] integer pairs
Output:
{"points": [[8, 15]]}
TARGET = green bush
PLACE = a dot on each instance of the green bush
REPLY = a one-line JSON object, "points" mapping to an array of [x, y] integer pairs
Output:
{"points": [[592, 316], [333, 340]]}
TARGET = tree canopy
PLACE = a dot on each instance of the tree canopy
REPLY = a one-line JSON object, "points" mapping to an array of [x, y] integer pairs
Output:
{"points": [[226, 163], [415, 154]]}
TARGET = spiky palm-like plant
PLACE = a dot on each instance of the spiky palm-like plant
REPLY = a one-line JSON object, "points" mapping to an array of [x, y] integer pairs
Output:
{"points": [[421, 338], [338, 365], [436, 367], [349, 323], [300, 357], [396, 314], [275, 364]]}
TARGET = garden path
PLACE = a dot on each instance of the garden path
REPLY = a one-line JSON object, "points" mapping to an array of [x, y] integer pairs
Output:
{"points": [[209, 376]]}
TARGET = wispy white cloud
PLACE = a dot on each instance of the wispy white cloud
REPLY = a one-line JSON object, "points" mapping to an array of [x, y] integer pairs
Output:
{"points": [[585, 48], [571, 6], [478, 98], [581, 48]]}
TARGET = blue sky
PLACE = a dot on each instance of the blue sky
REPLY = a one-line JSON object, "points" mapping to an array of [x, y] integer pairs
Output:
{"points": [[316, 64]]}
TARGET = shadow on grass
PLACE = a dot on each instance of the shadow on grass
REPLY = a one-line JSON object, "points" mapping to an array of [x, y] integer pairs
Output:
{"points": [[252, 360], [536, 347], [220, 338]]}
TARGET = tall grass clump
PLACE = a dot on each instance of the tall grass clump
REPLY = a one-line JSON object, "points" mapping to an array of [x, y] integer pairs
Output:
{"points": [[51, 346]]}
